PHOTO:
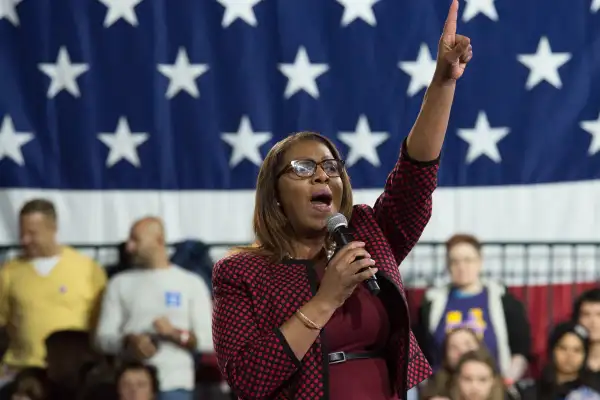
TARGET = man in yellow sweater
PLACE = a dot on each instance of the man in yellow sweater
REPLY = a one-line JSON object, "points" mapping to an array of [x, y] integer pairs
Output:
{"points": [[47, 288]]}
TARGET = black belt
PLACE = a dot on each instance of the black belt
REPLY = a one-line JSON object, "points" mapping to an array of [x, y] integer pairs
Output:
{"points": [[342, 356]]}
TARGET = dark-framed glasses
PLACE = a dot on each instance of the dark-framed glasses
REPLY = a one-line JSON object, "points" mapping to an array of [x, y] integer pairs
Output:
{"points": [[307, 168]]}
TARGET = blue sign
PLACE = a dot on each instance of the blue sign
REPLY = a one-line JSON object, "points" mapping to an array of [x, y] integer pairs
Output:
{"points": [[172, 299]]}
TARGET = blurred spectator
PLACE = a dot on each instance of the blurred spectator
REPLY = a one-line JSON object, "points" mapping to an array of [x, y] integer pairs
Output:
{"points": [[97, 381], [456, 343], [68, 351], [586, 312], [99, 391], [47, 288], [159, 313], [484, 306], [123, 262], [30, 384], [477, 378], [565, 374], [136, 381], [194, 256]]}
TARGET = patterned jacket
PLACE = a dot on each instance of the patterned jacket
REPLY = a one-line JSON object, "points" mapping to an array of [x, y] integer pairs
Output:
{"points": [[253, 297]]}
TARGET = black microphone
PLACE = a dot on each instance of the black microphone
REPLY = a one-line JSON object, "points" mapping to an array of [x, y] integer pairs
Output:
{"points": [[337, 226]]}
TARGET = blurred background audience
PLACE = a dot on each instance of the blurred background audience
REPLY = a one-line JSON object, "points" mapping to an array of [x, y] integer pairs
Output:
{"points": [[485, 306], [477, 377], [146, 333]]}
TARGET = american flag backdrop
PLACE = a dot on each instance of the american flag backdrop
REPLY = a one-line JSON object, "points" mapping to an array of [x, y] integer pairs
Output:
{"points": [[117, 109]]}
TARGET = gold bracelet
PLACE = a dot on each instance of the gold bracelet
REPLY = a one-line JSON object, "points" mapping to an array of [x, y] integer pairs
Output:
{"points": [[307, 321]]}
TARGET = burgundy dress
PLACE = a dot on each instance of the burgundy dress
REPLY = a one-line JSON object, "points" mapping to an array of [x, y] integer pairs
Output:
{"points": [[361, 324]]}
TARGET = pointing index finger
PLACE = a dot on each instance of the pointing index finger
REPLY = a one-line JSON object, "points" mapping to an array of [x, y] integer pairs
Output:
{"points": [[451, 20]]}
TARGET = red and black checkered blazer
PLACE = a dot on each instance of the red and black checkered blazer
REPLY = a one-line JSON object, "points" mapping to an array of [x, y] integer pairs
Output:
{"points": [[253, 297]]}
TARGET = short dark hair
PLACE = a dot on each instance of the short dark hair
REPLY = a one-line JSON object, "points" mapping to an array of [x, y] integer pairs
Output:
{"points": [[589, 296], [42, 206], [137, 366], [72, 343], [72, 337]]}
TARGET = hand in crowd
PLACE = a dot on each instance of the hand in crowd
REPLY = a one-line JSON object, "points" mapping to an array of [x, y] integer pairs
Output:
{"points": [[142, 346], [164, 327], [342, 274]]}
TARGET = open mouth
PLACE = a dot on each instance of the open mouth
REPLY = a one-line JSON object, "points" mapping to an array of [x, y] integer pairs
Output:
{"points": [[321, 198]]}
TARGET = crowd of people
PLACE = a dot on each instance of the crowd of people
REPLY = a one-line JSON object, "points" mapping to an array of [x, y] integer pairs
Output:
{"points": [[468, 369], [73, 333], [476, 335]]}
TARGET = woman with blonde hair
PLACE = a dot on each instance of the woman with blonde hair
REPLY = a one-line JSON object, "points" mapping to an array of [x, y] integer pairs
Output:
{"points": [[477, 378]]}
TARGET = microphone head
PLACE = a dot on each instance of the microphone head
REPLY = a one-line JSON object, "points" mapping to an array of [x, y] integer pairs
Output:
{"points": [[335, 221]]}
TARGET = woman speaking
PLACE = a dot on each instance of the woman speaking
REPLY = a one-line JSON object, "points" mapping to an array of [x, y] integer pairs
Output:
{"points": [[291, 321]]}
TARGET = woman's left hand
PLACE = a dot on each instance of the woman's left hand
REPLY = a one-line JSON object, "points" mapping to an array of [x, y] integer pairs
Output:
{"points": [[454, 51]]}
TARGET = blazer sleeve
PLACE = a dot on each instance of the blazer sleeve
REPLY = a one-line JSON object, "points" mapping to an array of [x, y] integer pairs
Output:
{"points": [[404, 208], [519, 329], [255, 363]]}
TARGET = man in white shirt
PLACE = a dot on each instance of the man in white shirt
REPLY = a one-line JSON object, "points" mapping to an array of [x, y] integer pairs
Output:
{"points": [[159, 313]]}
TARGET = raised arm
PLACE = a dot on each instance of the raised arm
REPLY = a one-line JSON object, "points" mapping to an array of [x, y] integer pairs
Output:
{"points": [[404, 208], [454, 52]]}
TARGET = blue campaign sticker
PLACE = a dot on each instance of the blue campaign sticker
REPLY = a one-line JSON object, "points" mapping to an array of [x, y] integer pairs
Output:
{"points": [[172, 299]]}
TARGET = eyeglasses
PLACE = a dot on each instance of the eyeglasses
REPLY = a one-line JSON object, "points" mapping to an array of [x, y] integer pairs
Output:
{"points": [[307, 168]]}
